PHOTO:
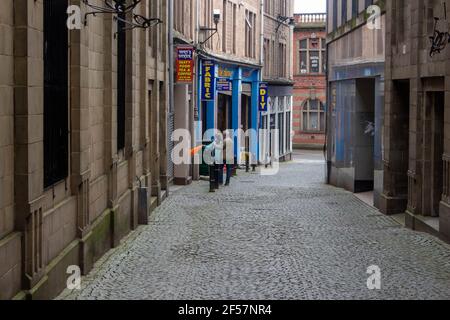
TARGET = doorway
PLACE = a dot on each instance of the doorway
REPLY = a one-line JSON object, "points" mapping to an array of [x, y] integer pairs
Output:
{"points": [[434, 151], [224, 114], [364, 138]]}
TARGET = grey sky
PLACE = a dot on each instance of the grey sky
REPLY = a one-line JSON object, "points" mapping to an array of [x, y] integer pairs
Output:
{"points": [[310, 6]]}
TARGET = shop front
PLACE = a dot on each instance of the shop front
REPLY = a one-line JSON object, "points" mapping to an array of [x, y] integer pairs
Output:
{"points": [[228, 100]]}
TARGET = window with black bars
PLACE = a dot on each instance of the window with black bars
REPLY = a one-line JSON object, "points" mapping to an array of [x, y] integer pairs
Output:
{"points": [[56, 97]]}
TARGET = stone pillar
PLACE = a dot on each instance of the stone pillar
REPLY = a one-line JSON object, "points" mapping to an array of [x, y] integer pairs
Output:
{"points": [[444, 212], [254, 120], [28, 133], [182, 122], [144, 142], [154, 138], [131, 110], [236, 109], [163, 139], [80, 135]]}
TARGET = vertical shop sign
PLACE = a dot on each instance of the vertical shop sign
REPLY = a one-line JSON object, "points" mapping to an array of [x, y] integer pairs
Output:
{"points": [[185, 64], [208, 80]]}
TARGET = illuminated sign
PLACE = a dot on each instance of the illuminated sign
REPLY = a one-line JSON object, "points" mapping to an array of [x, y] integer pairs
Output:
{"points": [[263, 97], [185, 64], [208, 80]]}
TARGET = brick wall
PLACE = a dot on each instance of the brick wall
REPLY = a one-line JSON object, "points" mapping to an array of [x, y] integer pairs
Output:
{"points": [[307, 86]]}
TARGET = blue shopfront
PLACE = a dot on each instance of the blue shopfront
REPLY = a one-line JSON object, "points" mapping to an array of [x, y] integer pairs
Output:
{"points": [[228, 100]]}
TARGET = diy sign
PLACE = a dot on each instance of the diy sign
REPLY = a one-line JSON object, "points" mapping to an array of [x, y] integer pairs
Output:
{"points": [[263, 97]]}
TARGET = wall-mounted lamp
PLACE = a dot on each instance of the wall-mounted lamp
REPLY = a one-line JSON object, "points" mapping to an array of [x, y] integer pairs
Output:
{"points": [[282, 19], [119, 8], [216, 18]]}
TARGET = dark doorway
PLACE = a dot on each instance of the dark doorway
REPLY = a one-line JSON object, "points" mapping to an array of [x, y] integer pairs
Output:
{"points": [[399, 141], [223, 112], [435, 124], [245, 118], [364, 138]]}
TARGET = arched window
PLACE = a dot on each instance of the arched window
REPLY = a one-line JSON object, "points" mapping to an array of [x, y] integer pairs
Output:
{"points": [[312, 57], [313, 116]]}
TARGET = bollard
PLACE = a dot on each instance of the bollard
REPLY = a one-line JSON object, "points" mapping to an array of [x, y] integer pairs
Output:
{"points": [[211, 179], [247, 163], [216, 176]]}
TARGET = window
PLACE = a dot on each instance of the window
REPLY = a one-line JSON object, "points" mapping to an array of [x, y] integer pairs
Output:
{"points": [[313, 115], [250, 34], [234, 28], [121, 82], [282, 60], [344, 12], [335, 15], [312, 57], [56, 83], [224, 26], [355, 9], [266, 57]]}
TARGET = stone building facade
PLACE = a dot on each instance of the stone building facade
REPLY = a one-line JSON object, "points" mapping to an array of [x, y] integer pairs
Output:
{"points": [[309, 115], [83, 138], [231, 47], [355, 99], [185, 33], [278, 73], [417, 117]]}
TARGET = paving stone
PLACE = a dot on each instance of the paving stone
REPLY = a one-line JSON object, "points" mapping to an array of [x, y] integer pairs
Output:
{"points": [[287, 236]]}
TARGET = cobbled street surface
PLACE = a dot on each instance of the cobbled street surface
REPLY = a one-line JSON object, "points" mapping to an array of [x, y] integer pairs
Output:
{"points": [[287, 236]]}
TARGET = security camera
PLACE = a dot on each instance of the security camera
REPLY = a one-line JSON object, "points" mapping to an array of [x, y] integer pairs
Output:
{"points": [[216, 16]]}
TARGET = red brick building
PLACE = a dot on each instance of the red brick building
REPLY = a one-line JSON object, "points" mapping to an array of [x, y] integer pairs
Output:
{"points": [[309, 116]]}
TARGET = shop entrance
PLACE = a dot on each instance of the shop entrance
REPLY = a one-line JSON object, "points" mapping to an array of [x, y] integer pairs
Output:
{"points": [[224, 112], [246, 108]]}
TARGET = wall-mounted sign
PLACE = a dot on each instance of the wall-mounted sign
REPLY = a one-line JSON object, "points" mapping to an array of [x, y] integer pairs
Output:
{"points": [[263, 97], [224, 84], [208, 80], [185, 64], [225, 72]]}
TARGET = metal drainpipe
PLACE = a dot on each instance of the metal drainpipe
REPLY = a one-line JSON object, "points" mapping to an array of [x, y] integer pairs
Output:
{"points": [[327, 151], [261, 44], [170, 56]]}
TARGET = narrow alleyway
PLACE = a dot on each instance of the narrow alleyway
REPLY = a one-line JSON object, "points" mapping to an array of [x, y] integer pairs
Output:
{"points": [[287, 236]]}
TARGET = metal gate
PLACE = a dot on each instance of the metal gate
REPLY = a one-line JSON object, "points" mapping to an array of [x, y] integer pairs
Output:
{"points": [[56, 96]]}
